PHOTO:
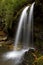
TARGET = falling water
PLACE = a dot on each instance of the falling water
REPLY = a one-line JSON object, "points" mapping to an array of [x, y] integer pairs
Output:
{"points": [[22, 19], [23, 32], [30, 28], [24, 27]]}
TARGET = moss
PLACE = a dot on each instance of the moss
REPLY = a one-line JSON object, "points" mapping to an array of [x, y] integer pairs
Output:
{"points": [[9, 8], [39, 61]]}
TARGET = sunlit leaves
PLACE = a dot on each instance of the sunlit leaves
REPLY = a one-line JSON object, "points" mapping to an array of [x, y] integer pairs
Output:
{"points": [[8, 9]]}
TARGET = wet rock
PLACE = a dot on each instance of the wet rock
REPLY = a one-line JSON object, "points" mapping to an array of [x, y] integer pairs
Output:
{"points": [[28, 58]]}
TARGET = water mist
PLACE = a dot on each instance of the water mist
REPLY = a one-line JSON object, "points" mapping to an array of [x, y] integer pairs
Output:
{"points": [[23, 32]]}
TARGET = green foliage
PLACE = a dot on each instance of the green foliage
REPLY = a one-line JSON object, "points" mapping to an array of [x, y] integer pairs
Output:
{"points": [[39, 61], [8, 9], [6, 12]]}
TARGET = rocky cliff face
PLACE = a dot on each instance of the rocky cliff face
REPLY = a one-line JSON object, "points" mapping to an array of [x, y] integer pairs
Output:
{"points": [[38, 18], [38, 25]]}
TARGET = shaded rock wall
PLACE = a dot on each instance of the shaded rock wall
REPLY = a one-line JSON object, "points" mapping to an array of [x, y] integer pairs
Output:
{"points": [[38, 25]]}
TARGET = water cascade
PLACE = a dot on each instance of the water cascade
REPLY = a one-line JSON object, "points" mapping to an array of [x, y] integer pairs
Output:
{"points": [[20, 25], [23, 32], [25, 27]]}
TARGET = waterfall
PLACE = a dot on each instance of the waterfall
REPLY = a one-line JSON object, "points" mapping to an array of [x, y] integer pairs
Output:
{"points": [[30, 28], [19, 29], [23, 34], [24, 28]]}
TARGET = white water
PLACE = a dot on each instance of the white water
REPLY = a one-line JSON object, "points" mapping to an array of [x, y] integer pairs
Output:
{"points": [[24, 23], [15, 56], [30, 27], [24, 28], [19, 29]]}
